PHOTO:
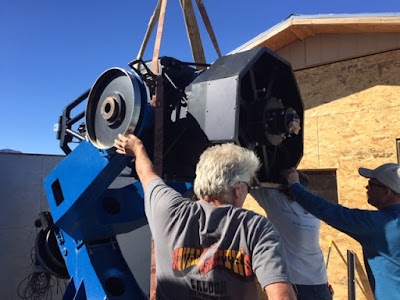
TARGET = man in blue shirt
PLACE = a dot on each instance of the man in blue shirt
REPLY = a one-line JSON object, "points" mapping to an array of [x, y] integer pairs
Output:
{"points": [[378, 231]]}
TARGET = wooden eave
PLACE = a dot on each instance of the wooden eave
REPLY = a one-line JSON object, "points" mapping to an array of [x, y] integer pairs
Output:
{"points": [[295, 29]]}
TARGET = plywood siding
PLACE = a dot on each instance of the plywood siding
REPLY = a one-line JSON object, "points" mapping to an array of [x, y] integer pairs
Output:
{"points": [[351, 120]]}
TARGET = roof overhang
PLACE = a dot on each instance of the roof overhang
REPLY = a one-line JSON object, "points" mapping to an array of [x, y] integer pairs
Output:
{"points": [[298, 28]]}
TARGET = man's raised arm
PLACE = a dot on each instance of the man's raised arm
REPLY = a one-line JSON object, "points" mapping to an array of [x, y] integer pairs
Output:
{"points": [[132, 146]]}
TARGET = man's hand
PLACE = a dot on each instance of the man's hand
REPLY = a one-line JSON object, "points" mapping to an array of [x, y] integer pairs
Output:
{"points": [[132, 146], [127, 145], [291, 175]]}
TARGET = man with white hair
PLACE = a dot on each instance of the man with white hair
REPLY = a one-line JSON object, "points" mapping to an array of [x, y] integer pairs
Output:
{"points": [[211, 248], [378, 231]]}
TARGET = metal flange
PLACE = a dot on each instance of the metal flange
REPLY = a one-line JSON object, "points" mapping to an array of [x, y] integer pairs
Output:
{"points": [[116, 105]]}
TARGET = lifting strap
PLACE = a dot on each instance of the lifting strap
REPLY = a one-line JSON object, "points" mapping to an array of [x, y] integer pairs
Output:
{"points": [[193, 33], [160, 28]]}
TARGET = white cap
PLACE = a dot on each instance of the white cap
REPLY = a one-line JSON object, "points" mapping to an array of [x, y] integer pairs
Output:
{"points": [[387, 174]]}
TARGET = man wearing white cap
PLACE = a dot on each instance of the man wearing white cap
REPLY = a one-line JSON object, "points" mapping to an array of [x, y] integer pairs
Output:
{"points": [[378, 231]]}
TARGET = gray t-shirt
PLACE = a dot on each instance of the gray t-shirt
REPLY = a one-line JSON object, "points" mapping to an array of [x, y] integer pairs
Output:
{"points": [[208, 252]]}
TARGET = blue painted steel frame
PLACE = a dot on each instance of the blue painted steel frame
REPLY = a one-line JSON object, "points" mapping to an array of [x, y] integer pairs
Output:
{"points": [[89, 215], [79, 199]]}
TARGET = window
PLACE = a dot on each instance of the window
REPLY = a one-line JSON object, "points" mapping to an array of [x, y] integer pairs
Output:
{"points": [[323, 184]]}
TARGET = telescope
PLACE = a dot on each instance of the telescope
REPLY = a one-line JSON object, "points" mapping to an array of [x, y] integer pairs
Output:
{"points": [[248, 98]]}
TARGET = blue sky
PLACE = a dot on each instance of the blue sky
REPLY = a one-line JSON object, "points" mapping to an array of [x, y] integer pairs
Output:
{"points": [[52, 51]]}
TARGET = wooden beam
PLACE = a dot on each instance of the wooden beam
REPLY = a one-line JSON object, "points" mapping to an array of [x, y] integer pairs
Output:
{"points": [[302, 31], [207, 23], [193, 31], [150, 27]]}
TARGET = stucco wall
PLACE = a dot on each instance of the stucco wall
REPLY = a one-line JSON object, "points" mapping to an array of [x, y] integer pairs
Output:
{"points": [[22, 198], [351, 120]]}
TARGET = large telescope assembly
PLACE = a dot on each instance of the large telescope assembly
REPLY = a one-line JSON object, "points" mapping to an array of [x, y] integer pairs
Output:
{"points": [[248, 98]]}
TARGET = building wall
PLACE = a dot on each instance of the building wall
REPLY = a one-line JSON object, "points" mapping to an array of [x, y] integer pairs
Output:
{"points": [[351, 120], [333, 47], [23, 198]]}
